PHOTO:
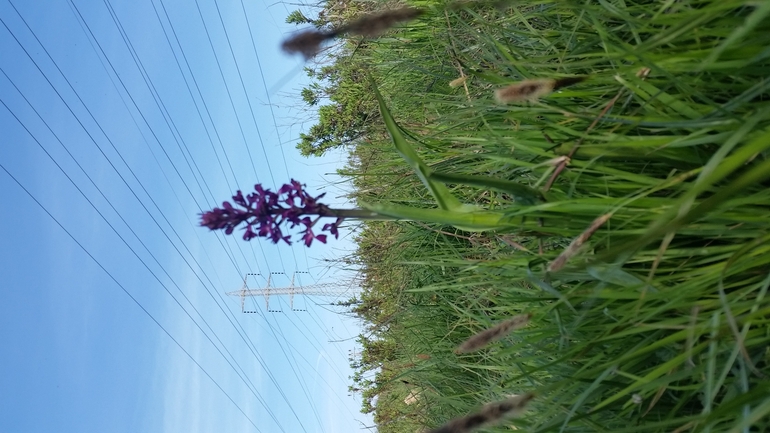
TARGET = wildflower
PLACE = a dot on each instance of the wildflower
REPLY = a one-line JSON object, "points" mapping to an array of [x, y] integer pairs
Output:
{"points": [[263, 212], [532, 90], [487, 336]]}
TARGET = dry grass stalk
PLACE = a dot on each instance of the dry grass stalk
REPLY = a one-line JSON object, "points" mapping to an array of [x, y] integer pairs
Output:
{"points": [[532, 90], [514, 244], [489, 414], [497, 332], [563, 165], [578, 242], [371, 26], [556, 161]]}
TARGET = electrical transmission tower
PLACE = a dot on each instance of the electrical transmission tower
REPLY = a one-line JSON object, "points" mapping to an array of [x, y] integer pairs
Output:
{"points": [[323, 289]]}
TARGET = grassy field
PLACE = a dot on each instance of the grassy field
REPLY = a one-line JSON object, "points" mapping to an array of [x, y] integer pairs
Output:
{"points": [[657, 321]]}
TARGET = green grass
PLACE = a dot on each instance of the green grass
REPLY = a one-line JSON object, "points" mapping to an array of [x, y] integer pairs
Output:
{"points": [[660, 323]]}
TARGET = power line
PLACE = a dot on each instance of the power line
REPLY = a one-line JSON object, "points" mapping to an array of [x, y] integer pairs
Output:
{"points": [[243, 378], [167, 116], [291, 365], [200, 94], [244, 336], [180, 142], [114, 168], [227, 88], [138, 304], [224, 27], [291, 346], [203, 101]]}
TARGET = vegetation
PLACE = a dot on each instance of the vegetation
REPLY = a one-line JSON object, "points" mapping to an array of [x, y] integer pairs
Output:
{"points": [[349, 114], [658, 320]]}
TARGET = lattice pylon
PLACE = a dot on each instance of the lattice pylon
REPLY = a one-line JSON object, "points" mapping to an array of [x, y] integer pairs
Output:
{"points": [[322, 289]]}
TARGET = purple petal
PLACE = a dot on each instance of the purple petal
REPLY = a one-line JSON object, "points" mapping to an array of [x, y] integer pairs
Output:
{"points": [[308, 238], [249, 234], [238, 198]]}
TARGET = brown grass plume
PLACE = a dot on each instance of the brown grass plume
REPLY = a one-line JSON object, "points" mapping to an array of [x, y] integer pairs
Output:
{"points": [[497, 332], [489, 414], [374, 25], [457, 82], [532, 90], [578, 242], [308, 43]]}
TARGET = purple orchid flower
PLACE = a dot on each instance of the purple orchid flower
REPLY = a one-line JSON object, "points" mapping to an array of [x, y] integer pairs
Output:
{"points": [[264, 212]]}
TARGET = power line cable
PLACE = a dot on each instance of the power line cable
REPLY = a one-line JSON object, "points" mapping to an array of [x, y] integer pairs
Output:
{"points": [[228, 252], [180, 142], [289, 360], [224, 27], [132, 298], [241, 332], [167, 115], [87, 29], [248, 384], [148, 125], [272, 329], [227, 88], [269, 104]]}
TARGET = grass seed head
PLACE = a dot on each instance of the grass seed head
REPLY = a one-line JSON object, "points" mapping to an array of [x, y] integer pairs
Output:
{"points": [[497, 332], [372, 26], [578, 242], [489, 414], [527, 90], [532, 90], [308, 43], [457, 82], [567, 81]]}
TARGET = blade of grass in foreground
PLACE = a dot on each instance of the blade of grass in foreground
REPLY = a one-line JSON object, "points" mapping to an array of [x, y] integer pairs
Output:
{"points": [[443, 196], [683, 150], [522, 193]]}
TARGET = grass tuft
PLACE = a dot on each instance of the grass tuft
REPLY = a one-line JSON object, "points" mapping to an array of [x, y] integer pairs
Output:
{"points": [[661, 322]]}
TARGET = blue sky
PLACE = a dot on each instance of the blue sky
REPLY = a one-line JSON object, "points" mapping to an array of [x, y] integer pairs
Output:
{"points": [[124, 120]]}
